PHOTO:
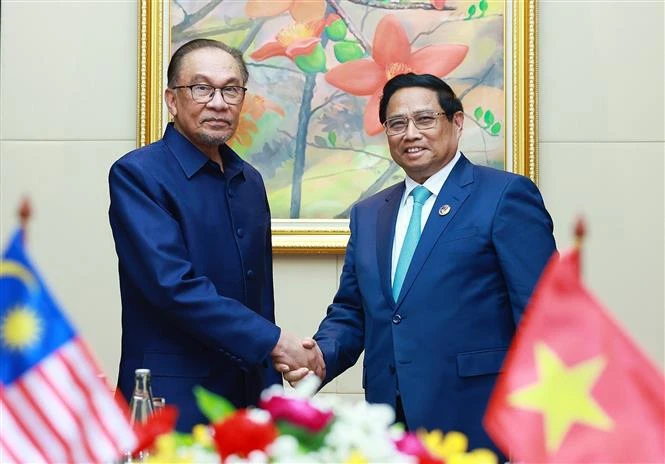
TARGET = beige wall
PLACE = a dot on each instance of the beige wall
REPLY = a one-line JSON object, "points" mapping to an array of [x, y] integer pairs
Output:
{"points": [[67, 111]]}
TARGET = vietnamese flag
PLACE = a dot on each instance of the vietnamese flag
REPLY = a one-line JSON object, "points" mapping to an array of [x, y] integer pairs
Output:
{"points": [[574, 387]]}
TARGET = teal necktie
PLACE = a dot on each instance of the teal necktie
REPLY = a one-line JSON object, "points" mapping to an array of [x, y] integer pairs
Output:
{"points": [[420, 195]]}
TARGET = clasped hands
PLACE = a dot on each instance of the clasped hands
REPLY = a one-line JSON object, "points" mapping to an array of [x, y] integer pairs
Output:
{"points": [[295, 358]]}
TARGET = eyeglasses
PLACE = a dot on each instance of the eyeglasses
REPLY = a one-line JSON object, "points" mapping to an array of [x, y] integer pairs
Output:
{"points": [[204, 93], [423, 120]]}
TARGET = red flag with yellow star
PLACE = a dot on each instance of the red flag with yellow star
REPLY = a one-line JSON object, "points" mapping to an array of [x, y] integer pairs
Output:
{"points": [[575, 388]]}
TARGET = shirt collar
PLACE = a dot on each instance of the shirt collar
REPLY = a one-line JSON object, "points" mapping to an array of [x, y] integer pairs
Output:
{"points": [[435, 182], [191, 159]]}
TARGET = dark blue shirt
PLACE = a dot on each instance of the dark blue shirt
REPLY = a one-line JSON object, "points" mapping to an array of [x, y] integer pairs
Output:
{"points": [[195, 265]]}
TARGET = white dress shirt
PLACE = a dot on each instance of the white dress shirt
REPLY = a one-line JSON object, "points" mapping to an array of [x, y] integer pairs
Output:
{"points": [[434, 185]]}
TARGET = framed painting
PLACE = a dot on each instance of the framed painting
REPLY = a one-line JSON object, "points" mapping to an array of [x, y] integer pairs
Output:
{"points": [[309, 121]]}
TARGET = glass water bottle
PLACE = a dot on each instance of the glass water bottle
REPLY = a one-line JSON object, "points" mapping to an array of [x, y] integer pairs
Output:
{"points": [[141, 405]]}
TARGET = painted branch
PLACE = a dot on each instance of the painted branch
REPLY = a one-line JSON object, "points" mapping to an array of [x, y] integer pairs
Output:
{"points": [[399, 6], [193, 18], [212, 31], [304, 116], [334, 4], [249, 38], [372, 189]]}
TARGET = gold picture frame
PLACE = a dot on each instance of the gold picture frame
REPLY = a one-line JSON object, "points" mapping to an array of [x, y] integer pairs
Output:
{"points": [[329, 236]]}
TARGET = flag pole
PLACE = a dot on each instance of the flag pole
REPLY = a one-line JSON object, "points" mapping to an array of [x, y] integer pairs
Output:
{"points": [[580, 232], [24, 214]]}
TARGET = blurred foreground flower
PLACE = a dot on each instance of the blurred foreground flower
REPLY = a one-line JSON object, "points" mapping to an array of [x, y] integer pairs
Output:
{"points": [[297, 427]]}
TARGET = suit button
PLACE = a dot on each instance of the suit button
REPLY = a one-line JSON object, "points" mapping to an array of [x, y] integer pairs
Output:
{"points": [[397, 319], [240, 232], [250, 274], [392, 369], [231, 193]]}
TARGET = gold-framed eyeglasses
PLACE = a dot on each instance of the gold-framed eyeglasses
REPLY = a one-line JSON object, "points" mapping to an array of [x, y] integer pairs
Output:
{"points": [[204, 93], [422, 120]]}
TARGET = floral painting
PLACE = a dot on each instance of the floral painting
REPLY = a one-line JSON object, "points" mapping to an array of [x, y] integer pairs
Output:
{"points": [[310, 120]]}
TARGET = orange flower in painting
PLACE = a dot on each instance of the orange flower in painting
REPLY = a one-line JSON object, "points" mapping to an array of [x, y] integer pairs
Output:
{"points": [[255, 105], [253, 108], [244, 132], [300, 10], [391, 55], [294, 40]]}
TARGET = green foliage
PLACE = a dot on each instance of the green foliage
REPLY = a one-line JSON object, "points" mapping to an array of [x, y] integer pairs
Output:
{"points": [[336, 31], [482, 7], [183, 439], [213, 406], [332, 138], [307, 440], [487, 117], [312, 63], [348, 51]]}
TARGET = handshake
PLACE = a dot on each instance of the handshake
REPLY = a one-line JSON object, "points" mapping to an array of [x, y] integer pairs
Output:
{"points": [[295, 358]]}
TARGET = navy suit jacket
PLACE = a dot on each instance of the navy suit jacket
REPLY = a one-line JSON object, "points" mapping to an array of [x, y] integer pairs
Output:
{"points": [[195, 264], [441, 345]]}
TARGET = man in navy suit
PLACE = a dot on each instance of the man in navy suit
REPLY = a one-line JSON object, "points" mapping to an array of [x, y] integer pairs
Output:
{"points": [[191, 225], [438, 270]]}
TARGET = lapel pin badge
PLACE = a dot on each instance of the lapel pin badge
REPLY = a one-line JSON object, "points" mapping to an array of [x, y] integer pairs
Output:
{"points": [[445, 209]]}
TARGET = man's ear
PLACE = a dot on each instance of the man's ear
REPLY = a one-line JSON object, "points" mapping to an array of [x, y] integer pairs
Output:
{"points": [[458, 122], [169, 98]]}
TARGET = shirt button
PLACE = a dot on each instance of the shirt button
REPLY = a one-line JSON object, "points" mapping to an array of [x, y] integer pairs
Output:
{"points": [[397, 319], [250, 274], [240, 232]]}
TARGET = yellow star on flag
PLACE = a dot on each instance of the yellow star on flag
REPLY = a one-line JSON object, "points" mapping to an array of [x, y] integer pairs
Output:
{"points": [[563, 395]]}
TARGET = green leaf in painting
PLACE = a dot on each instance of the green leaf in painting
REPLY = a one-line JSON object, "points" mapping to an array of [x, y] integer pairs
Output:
{"points": [[332, 138], [312, 63], [478, 113], [213, 406], [348, 51], [483, 5], [471, 10], [320, 141], [336, 31], [496, 128], [489, 117]]}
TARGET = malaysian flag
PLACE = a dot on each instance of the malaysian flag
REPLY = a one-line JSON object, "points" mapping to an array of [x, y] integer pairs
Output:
{"points": [[53, 405]]}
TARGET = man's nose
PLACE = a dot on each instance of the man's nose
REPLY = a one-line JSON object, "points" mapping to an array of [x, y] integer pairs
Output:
{"points": [[411, 130], [217, 101]]}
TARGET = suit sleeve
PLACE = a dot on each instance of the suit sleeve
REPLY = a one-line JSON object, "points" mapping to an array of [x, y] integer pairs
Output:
{"points": [[152, 252], [341, 333], [523, 239]]}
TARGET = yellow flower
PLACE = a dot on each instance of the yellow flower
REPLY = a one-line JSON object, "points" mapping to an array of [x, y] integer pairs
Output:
{"points": [[483, 456], [201, 435], [164, 450], [444, 446], [356, 458]]}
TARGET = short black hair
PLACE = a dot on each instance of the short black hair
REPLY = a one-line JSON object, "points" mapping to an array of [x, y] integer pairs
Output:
{"points": [[196, 44], [447, 98]]}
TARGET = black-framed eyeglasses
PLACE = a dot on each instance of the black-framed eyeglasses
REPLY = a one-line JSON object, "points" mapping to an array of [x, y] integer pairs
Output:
{"points": [[422, 120], [204, 93]]}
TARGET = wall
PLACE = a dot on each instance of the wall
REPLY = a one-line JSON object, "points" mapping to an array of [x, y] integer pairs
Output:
{"points": [[67, 111]]}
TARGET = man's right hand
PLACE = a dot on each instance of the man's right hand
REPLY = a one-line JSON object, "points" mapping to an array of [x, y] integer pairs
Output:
{"points": [[295, 358]]}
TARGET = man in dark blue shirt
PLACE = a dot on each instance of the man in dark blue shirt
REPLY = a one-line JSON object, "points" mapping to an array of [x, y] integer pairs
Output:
{"points": [[191, 224]]}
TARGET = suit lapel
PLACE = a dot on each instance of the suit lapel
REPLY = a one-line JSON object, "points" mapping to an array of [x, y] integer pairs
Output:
{"points": [[453, 193], [385, 233]]}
